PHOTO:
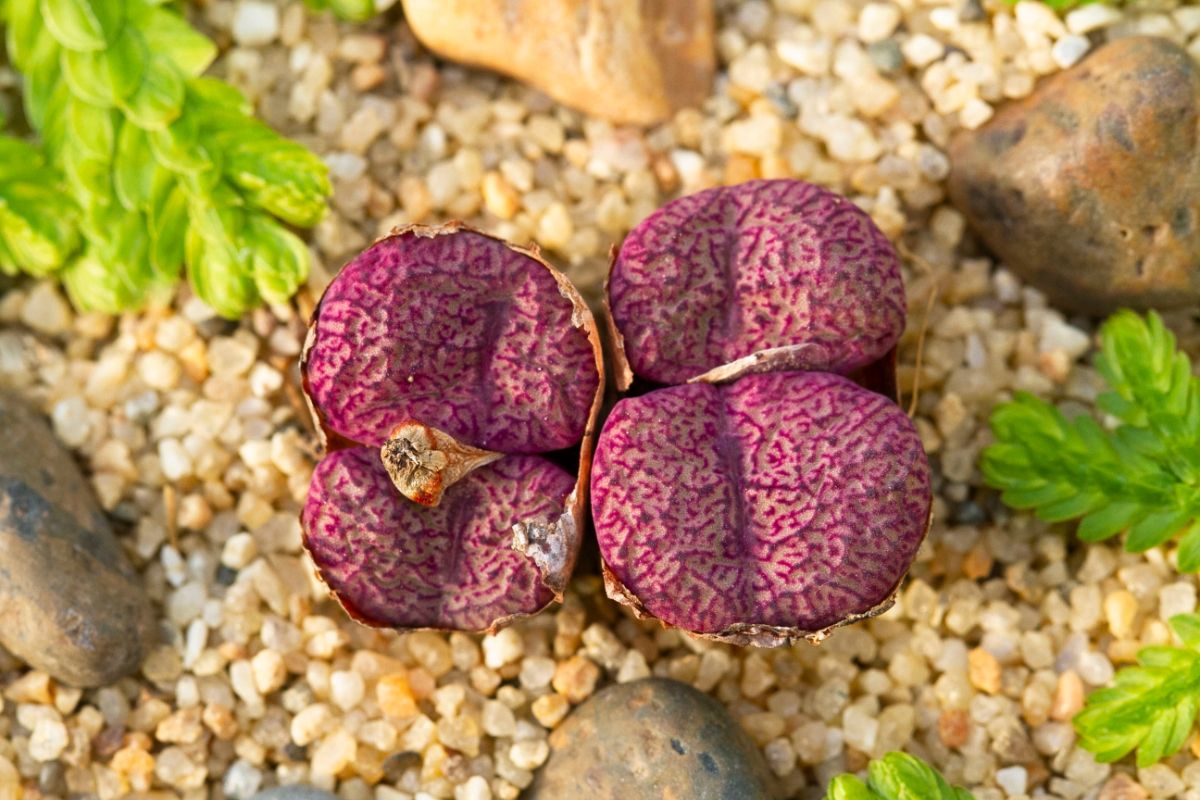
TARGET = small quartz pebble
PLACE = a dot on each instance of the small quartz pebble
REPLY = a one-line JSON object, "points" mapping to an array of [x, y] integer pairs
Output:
{"points": [[255, 22], [648, 740], [1122, 787], [73, 606], [1090, 187]]}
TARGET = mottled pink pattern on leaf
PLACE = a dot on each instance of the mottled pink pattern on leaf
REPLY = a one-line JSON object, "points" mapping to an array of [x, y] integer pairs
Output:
{"points": [[733, 270], [787, 499], [459, 332], [395, 563]]}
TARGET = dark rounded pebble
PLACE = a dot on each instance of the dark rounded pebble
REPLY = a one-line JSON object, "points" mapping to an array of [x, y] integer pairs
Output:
{"points": [[648, 740], [73, 606]]}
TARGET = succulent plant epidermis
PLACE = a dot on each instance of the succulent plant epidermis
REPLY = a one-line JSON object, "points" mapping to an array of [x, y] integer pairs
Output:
{"points": [[781, 504], [399, 564], [765, 275]]}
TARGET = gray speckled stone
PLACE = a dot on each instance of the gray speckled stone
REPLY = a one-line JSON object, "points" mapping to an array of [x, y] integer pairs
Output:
{"points": [[649, 740], [73, 606], [294, 792]]}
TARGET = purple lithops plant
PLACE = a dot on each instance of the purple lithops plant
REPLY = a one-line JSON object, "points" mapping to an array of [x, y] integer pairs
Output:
{"points": [[773, 507], [764, 275], [440, 364], [760, 498]]}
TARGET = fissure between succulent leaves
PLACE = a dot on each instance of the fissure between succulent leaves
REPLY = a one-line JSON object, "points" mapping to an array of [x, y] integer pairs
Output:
{"points": [[423, 462]]}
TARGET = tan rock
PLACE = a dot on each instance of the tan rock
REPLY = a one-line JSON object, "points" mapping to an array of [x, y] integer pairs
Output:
{"points": [[983, 670], [628, 61], [1068, 696], [1089, 188]]}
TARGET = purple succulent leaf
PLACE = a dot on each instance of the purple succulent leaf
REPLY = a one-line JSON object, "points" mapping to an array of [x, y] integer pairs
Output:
{"points": [[769, 265], [460, 331], [393, 563], [760, 511]]}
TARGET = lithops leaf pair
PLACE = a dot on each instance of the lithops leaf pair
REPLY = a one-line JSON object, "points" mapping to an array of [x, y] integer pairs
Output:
{"points": [[442, 365], [763, 496]]}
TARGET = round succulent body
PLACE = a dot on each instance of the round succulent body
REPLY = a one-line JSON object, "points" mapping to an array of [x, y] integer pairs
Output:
{"points": [[764, 275], [439, 363], [397, 563], [759, 511]]}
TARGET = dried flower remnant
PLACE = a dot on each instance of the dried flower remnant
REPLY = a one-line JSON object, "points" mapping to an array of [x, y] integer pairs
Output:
{"points": [[441, 362], [766, 498], [423, 461]]}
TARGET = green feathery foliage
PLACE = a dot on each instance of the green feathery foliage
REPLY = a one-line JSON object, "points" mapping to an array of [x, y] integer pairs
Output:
{"points": [[896, 776], [166, 167], [1151, 707], [353, 10], [38, 222], [1143, 477]]}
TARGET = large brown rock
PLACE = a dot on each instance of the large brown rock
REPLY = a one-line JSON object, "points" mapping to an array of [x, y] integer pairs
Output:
{"points": [[629, 61], [1090, 187], [72, 605], [649, 740]]}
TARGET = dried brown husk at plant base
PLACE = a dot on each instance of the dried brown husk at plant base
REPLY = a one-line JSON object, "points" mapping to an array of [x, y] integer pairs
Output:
{"points": [[552, 546]]}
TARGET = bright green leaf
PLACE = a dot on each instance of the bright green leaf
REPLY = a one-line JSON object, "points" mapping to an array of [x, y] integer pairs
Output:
{"points": [[169, 34], [154, 166], [1155, 528], [219, 277], [94, 284], [1188, 555], [1151, 707], [158, 99], [169, 223], [124, 63], [92, 130], [179, 148], [1102, 523], [1143, 477], [20, 161], [896, 776], [38, 224], [848, 787], [1187, 628], [900, 776], [89, 178], [133, 172], [221, 102], [87, 77], [84, 24], [25, 33], [352, 10], [280, 260], [290, 183]]}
